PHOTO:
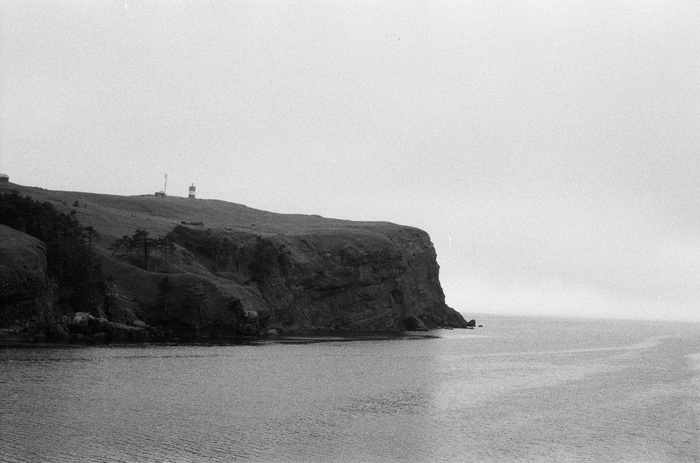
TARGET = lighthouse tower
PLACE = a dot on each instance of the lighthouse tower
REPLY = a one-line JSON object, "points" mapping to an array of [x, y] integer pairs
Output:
{"points": [[191, 195]]}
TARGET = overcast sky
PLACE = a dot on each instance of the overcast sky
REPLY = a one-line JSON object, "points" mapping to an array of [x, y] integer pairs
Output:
{"points": [[550, 148]]}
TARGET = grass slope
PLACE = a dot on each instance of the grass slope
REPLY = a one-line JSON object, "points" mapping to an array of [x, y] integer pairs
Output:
{"points": [[114, 216]]}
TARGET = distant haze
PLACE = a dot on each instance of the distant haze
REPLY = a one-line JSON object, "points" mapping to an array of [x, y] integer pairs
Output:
{"points": [[551, 149]]}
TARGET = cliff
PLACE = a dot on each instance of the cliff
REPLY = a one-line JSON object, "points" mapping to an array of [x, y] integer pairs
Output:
{"points": [[215, 269], [24, 285]]}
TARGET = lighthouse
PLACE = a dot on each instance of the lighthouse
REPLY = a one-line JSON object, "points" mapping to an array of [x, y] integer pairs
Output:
{"points": [[192, 189]]}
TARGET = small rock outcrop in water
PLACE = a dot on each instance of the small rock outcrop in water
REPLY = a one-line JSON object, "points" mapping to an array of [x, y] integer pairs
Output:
{"points": [[248, 272]]}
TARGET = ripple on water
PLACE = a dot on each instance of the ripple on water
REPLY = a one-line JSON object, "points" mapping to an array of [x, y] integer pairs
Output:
{"points": [[501, 397]]}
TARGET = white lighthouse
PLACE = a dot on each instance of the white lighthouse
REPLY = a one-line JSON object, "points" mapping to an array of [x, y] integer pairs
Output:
{"points": [[192, 189]]}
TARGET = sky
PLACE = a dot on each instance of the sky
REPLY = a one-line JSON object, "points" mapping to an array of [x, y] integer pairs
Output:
{"points": [[551, 149]]}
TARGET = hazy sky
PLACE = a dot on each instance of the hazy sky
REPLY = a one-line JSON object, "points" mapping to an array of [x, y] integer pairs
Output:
{"points": [[550, 148]]}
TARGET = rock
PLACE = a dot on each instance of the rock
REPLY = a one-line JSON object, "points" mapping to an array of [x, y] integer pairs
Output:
{"points": [[25, 293], [85, 327], [250, 325], [414, 324], [117, 332], [81, 324], [471, 323], [82, 319]]}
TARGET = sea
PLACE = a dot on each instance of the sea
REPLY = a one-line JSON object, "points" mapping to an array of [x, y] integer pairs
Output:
{"points": [[518, 389]]}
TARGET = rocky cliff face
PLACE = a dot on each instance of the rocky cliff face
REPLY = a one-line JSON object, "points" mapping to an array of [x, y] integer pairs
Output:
{"points": [[25, 293], [370, 277]]}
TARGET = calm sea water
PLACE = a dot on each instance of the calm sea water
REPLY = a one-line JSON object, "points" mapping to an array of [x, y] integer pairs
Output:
{"points": [[519, 389]]}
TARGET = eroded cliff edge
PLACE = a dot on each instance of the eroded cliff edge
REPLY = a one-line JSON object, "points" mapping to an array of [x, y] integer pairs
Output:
{"points": [[371, 277], [213, 269]]}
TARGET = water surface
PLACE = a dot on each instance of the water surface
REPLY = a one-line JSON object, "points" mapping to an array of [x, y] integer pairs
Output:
{"points": [[519, 389]]}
